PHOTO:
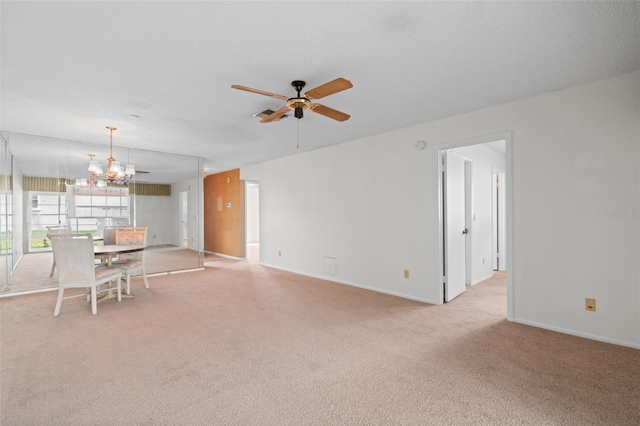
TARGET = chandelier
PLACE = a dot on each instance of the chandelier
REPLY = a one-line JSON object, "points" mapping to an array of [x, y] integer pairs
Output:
{"points": [[114, 173]]}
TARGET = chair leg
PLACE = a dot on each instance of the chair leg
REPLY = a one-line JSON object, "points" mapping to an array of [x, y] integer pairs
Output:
{"points": [[94, 302], [128, 280], [56, 311], [119, 286]]}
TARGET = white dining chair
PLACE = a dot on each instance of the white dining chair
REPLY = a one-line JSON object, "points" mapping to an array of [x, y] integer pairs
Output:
{"points": [[109, 235], [131, 263], [108, 238], [57, 230], [75, 262]]}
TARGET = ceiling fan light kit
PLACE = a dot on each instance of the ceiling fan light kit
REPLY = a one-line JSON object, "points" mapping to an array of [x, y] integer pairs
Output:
{"points": [[300, 103], [268, 112]]}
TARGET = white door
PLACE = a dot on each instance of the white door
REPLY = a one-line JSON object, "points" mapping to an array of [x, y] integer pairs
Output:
{"points": [[454, 225]]}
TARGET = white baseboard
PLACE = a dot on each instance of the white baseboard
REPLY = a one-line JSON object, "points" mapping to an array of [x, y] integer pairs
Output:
{"points": [[224, 255], [482, 279], [180, 271], [579, 334], [24, 293], [352, 284]]}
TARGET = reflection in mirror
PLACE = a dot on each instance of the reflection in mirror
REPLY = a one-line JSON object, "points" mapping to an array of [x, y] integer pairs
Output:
{"points": [[52, 186]]}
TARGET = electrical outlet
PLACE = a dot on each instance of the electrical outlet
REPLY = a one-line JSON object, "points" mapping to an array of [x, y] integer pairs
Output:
{"points": [[406, 273], [590, 304]]}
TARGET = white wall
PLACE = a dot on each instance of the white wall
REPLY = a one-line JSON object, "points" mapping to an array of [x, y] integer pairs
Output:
{"points": [[155, 212], [162, 215], [576, 185], [483, 160], [364, 203]]}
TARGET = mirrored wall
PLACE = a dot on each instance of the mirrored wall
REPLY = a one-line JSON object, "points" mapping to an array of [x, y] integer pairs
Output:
{"points": [[45, 182], [6, 202]]}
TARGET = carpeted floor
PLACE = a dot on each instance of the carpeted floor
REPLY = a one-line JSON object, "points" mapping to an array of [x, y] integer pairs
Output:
{"points": [[242, 344]]}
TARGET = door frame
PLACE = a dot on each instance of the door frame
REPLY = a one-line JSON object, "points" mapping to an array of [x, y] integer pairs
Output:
{"points": [[497, 220], [438, 219], [247, 206]]}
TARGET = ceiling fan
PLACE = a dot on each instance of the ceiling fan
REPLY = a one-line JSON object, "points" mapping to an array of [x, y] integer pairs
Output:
{"points": [[300, 103]]}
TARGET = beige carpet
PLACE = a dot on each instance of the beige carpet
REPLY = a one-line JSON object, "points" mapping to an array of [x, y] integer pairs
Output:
{"points": [[241, 344]]}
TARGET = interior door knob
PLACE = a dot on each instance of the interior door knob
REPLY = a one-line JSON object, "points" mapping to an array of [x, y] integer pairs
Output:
{"points": [[465, 232]]}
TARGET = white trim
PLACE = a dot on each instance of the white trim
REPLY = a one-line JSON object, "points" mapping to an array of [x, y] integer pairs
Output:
{"points": [[247, 184], [509, 225], [225, 255], [437, 167], [352, 284], [578, 333], [179, 271], [24, 293], [436, 162]]}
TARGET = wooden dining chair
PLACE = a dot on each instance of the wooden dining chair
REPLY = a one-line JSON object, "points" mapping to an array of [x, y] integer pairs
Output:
{"points": [[131, 263], [75, 262], [57, 230]]}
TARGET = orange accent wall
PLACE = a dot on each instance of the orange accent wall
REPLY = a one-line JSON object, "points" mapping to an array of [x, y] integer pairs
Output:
{"points": [[224, 221]]}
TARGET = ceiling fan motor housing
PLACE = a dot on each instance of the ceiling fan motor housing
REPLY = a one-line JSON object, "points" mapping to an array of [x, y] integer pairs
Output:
{"points": [[298, 105], [303, 103]]}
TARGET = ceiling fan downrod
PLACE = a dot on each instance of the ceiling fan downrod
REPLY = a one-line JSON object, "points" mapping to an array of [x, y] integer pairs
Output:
{"points": [[298, 110]]}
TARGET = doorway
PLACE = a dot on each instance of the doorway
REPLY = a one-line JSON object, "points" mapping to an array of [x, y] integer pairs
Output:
{"points": [[252, 221], [470, 231]]}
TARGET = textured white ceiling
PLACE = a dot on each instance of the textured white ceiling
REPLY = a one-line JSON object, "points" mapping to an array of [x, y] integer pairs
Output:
{"points": [[161, 71]]}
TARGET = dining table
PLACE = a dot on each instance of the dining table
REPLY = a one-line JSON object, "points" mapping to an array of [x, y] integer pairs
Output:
{"points": [[112, 250]]}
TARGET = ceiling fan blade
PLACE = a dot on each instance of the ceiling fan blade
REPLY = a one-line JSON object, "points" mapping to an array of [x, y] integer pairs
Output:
{"points": [[282, 111], [335, 86], [329, 112], [259, 92]]}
